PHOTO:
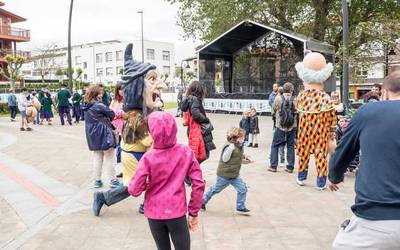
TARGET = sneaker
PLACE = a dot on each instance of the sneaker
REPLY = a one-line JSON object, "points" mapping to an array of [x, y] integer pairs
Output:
{"points": [[203, 207], [22, 129], [98, 202], [141, 209], [256, 145], [98, 184], [320, 188], [250, 145], [300, 183], [289, 170], [115, 183], [243, 210], [271, 169], [282, 164], [119, 175], [29, 129]]}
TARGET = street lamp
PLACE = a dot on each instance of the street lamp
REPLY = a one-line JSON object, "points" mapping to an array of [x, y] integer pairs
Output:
{"points": [[70, 84], [141, 15], [187, 67], [345, 78]]}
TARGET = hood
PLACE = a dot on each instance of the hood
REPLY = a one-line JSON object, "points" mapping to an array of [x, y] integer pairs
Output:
{"points": [[314, 101], [88, 105], [163, 129], [133, 80]]}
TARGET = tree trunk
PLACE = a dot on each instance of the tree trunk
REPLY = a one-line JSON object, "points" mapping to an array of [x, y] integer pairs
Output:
{"points": [[321, 18]]}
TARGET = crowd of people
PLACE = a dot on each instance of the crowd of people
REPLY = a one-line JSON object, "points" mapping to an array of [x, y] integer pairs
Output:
{"points": [[131, 129]]}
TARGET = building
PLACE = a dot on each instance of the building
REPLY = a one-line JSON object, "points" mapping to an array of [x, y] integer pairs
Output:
{"points": [[103, 62], [10, 36]]}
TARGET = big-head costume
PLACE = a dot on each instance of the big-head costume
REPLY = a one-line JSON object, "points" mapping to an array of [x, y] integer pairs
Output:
{"points": [[317, 116]]}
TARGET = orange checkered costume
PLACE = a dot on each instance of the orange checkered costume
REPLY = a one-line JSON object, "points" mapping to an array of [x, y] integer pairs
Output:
{"points": [[317, 118]]}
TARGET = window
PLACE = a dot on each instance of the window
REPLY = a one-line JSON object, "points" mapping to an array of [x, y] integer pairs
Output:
{"points": [[36, 73], [108, 57], [85, 65], [119, 71], [165, 55], [150, 54], [78, 60], [109, 71], [99, 72], [99, 58], [362, 71], [26, 72], [118, 55], [85, 77], [166, 70]]}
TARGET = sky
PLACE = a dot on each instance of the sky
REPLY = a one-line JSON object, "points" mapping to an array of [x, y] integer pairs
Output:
{"points": [[100, 20]]}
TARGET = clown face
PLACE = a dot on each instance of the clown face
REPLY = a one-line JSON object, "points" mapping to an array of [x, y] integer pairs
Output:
{"points": [[153, 87]]}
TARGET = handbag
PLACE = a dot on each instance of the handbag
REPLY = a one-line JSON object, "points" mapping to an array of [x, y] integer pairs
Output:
{"points": [[206, 128]]}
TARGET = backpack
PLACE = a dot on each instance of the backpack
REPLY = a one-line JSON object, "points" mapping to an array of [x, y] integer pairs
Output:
{"points": [[287, 113]]}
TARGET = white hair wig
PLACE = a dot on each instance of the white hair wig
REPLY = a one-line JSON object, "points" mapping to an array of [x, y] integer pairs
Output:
{"points": [[312, 76]]}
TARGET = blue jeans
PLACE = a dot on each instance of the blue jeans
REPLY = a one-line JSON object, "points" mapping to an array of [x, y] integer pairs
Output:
{"points": [[222, 183], [13, 111], [282, 138]]}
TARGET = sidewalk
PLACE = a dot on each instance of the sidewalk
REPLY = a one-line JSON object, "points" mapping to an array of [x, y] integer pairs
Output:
{"points": [[54, 163]]}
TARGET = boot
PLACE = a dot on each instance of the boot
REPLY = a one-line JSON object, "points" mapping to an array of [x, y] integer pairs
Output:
{"points": [[250, 145], [256, 145]]}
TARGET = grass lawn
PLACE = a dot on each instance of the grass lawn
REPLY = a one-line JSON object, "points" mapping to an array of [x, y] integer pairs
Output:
{"points": [[170, 105]]}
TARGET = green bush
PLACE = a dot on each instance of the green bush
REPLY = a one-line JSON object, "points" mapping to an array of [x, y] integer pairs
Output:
{"points": [[4, 108]]}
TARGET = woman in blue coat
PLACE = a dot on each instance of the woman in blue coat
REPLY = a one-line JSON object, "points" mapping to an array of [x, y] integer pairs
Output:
{"points": [[100, 135]]}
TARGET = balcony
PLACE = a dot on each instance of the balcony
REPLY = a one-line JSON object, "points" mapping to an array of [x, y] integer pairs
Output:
{"points": [[4, 52], [14, 34]]}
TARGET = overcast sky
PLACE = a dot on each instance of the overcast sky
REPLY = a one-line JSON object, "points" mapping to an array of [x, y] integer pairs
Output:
{"points": [[100, 20]]}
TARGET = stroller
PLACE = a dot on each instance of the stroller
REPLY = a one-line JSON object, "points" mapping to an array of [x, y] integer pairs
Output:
{"points": [[341, 129]]}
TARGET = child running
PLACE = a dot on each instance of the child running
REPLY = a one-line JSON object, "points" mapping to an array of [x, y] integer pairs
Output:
{"points": [[161, 175], [228, 171]]}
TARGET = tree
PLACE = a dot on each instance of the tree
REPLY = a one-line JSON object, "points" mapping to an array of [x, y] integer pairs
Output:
{"points": [[45, 57], [14, 66], [320, 19]]}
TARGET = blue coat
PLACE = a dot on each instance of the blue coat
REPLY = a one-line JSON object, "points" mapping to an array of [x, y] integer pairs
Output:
{"points": [[98, 127]]}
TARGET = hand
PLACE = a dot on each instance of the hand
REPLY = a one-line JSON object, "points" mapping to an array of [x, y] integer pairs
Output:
{"points": [[333, 187], [193, 223]]}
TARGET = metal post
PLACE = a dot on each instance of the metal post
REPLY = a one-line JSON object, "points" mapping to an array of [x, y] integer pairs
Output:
{"points": [[70, 83], [386, 60], [345, 82], [141, 15]]}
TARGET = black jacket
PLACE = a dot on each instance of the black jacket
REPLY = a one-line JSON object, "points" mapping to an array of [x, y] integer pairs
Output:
{"points": [[193, 105], [254, 129]]}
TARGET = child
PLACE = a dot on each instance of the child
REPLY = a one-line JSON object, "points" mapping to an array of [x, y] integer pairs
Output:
{"points": [[254, 129], [228, 170], [46, 112], [161, 175], [245, 125]]}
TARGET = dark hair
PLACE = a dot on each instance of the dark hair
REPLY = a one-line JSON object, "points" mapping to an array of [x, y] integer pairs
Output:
{"points": [[371, 96], [92, 92], [48, 95], [101, 85], [288, 87], [196, 89], [117, 96], [24, 89], [392, 82], [378, 85]]}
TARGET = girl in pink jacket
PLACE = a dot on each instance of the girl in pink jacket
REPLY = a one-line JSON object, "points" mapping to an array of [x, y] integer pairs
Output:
{"points": [[161, 175]]}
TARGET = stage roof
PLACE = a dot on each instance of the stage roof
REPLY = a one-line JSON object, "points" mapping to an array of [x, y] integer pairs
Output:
{"points": [[248, 31]]}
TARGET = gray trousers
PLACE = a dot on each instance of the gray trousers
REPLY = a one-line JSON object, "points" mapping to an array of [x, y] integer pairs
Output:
{"points": [[368, 235], [115, 195]]}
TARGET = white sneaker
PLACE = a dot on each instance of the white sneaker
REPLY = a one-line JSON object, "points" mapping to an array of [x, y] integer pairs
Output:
{"points": [[300, 183], [282, 165], [320, 188]]}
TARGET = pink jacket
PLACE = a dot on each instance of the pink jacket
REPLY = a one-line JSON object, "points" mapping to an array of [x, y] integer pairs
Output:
{"points": [[118, 121], [162, 171]]}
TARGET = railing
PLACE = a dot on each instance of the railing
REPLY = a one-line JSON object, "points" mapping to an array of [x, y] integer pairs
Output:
{"points": [[24, 54], [15, 32]]}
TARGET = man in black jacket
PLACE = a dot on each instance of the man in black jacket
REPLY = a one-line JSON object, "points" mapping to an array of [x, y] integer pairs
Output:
{"points": [[374, 131]]}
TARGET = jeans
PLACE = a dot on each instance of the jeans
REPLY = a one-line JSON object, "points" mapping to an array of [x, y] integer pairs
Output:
{"points": [[368, 234], [115, 195], [13, 112], [64, 111], [282, 138], [77, 113], [177, 228], [222, 183]]}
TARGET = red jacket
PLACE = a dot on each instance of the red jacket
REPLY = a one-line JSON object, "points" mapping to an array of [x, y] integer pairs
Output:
{"points": [[196, 142]]}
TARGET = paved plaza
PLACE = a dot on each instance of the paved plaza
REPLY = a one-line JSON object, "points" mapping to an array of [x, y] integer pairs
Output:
{"points": [[46, 195]]}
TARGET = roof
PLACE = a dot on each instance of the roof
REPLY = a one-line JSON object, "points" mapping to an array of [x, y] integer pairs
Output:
{"points": [[248, 31], [14, 18]]}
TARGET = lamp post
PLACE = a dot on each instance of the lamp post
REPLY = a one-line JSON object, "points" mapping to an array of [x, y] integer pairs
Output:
{"points": [[141, 16], [345, 78], [70, 83]]}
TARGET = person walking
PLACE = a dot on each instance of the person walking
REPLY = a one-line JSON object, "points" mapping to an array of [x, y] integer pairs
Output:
{"points": [[12, 105], [228, 171], [100, 135], [284, 109], [76, 105], [376, 220], [63, 97], [254, 128], [46, 110], [161, 175], [24, 101]]}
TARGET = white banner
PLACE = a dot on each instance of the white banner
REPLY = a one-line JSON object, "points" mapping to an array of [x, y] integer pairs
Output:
{"points": [[236, 105]]}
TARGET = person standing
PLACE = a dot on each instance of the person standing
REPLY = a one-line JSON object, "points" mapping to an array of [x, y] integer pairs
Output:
{"points": [[106, 96], [63, 97], [317, 117], [118, 122], [274, 93], [285, 132], [376, 220], [12, 105], [76, 105], [24, 101], [245, 125], [46, 110], [100, 135], [254, 128]]}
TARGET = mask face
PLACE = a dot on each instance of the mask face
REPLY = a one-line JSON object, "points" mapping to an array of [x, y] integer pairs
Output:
{"points": [[152, 93]]}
